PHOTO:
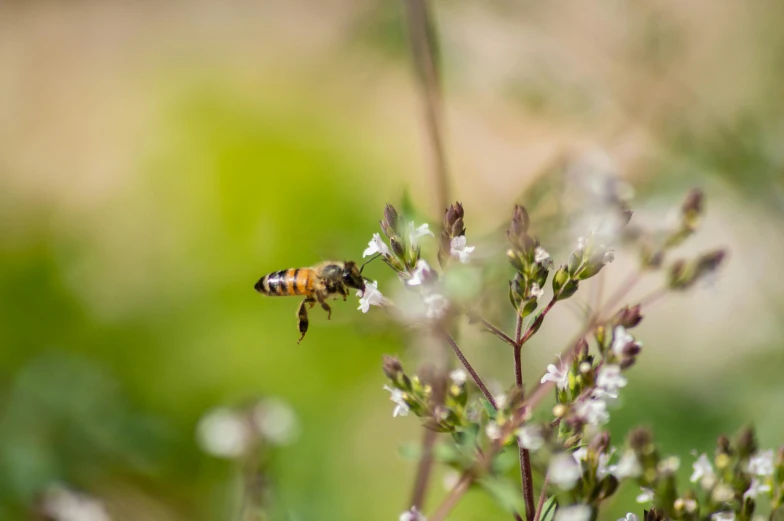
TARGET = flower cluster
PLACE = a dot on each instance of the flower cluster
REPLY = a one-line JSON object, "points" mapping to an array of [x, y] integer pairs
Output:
{"points": [[531, 262]]}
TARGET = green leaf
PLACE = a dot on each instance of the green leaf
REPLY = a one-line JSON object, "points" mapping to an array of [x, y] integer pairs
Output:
{"points": [[548, 509], [491, 412], [504, 491]]}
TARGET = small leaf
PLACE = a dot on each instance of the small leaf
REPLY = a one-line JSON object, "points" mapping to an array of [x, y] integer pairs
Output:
{"points": [[491, 411], [548, 509]]}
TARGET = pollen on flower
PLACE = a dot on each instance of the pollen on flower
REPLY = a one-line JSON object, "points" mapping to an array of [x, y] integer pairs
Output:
{"points": [[376, 245], [399, 398], [459, 250], [371, 296]]}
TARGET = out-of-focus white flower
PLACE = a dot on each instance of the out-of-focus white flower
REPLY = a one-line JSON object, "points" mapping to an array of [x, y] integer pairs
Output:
{"points": [[723, 516], [722, 493], [371, 296], [493, 431], [436, 306], [702, 469], [535, 291], [398, 397], [558, 376], [421, 273], [628, 466], [621, 338], [500, 401], [646, 495], [224, 433], [376, 245], [458, 376], [689, 505], [541, 256], [450, 480], [610, 380], [629, 517], [669, 465], [755, 488], [604, 468], [414, 233], [761, 464], [459, 250], [413, 514], [530, 437], [564, 471], [61, 504], [582, 242], [573, 513], [593, 411], [275, 421]]}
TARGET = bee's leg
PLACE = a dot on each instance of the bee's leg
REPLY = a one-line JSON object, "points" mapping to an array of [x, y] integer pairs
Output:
{"points": [[322, 299], [344, 291], [302, 317]]}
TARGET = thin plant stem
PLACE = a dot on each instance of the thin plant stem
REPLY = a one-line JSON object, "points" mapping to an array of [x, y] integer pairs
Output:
{"points": [[497, 332], [626, 286], [526, 477], [469, 368], [425, 466], [452, 498], [542, 496], [652, 297]]}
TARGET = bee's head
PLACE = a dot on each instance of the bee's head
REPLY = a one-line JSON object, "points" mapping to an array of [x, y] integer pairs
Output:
{"points": [[352, 277]]}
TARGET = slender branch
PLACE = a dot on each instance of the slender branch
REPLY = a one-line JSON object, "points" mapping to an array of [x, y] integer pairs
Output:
{"points": [[420, 25], [542, 496], [497, 332], [534, 327], [652, 297], [625, 287], [428, 442], [526, 477], [469, 368], [452, 498]]}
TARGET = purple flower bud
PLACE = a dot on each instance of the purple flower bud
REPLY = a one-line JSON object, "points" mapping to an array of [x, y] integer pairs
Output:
{"points": [[391, 216], [628, 317]]}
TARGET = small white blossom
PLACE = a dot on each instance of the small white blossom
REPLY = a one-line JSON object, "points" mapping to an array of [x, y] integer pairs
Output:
{"points": [[436, 306], [646, 495], [581, 243], [722, 493], [370, 297], [61, 504], [593, 411], [609, 256], [579, 455], [459, 250], [450, 480], [564, 470], [421, 273], [535, 291], [493, 431], [541, 256], [628, 466], [702, 469], [458, 376], [558, 376], [415, 233], [669, 465], [376, 245], [621, 338], [761, 464], [610, 380], [223, 433], [573, 513], [398, 396], [275, 421], [500, 401], [755, 488], [412, 515], [530, 437], [629, 517], [604, 468], [723, 516], [689, 505]]}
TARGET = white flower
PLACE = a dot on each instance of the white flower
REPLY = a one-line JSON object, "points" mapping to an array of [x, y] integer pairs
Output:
{"points": [[579, 455], [61, 504], [669, 465], [458, 376], [541, 256], [621, 338], [604, 468], [436, 305], [398, 396], [223, 433], [761, 464], [564, 471], [558, 376], [276, 421], [610, 380], [723, 516], [415, 233], [702, 469], [646, 495], [689, 505], [609, 256], [412, 515], [628, 466], [581, 243], [530, 437], [722, 493], [593, 411], [535, 291], [370, 297], [493, 431], [450, 480], [376, 245], [755, 488], [459, 250], [421, 273], [629, 517], [573, 513], [500, 401]]}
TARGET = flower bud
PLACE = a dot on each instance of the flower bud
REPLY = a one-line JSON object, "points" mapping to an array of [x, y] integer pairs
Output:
{"points": [[692, 209], [628, 317], [746, 442], [391, 216], [397, 246], [723, 445], [640, 440], [582, 348], [654, 514], [560, 278], [601, 443]]}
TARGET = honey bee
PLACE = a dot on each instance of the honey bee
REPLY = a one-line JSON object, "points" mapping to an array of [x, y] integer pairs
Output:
{"points": [[316, 284]]}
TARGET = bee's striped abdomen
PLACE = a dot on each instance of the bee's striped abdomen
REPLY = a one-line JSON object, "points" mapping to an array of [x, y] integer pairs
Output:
{"points": [[294, 281]]}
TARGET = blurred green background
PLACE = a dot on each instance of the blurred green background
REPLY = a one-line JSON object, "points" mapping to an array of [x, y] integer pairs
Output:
{"points": [[157, 158]]}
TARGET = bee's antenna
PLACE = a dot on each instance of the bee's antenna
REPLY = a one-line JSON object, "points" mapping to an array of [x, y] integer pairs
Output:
{"points": [[368, 262]]}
